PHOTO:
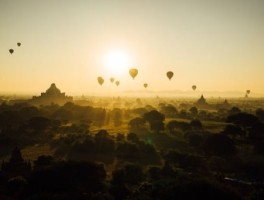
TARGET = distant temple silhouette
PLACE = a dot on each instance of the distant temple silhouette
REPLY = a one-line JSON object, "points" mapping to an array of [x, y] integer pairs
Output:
{"points": [[16, 166], [225, 104], [52, 95], [201, 103]]}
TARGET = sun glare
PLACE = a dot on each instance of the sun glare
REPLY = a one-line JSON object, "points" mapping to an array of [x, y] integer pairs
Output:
{"points": [[117, 62]]}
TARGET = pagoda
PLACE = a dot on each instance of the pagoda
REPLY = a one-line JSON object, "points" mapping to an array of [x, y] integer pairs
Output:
{"points": [[52, 96], [201, 103]]}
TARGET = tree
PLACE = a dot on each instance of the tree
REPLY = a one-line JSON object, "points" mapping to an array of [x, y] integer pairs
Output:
{"points": [[10, 119], [169, 110], [194, 111], [104, 143], [129, 174], [219, 145], [70, 177], [260, 114], [233, 131], [63, 114], [248, 122], [172, 125], [234, 110], [132, 137], [117, 116], [39, 123], [195, 140], [196, 124], [183, 126], [137, 122], [155, 120], [29, 112]]}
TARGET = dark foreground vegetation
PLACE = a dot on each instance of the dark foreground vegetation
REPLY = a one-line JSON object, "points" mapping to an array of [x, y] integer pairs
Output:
{"points": [[131, 149]]}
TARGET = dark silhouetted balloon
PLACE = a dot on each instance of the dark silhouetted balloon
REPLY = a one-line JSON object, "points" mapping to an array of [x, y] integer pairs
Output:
{"points": [[11, 51], [19, 44], [145, 85], [112, 79], [117, 83], [248, 91], [133, 72], [169, 74], [194, 87], [100, 80]]}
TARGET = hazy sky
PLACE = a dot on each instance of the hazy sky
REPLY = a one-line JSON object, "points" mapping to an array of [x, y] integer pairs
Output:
{"points": [[216, 44]]}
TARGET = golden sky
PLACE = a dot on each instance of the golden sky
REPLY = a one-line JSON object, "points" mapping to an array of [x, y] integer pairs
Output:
{"points": [[216, 44]]}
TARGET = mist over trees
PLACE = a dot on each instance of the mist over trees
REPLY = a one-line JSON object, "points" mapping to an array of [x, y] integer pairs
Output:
{"points": [[130, 149]]}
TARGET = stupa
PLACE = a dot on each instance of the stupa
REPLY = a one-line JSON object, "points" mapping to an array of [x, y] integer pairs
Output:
{"points": [[52, 95]]}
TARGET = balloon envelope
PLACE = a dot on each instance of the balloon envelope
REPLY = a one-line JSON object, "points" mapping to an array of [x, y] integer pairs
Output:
{"points": [[194, 87], [112, 79], [19, 44], [11, 51], [100, 80], [117, 83], [169, 74], [248, 91], [145, 85], [133, 72]]}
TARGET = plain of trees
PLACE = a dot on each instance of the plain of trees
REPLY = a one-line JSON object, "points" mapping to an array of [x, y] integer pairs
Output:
{"points": [[160, 151]]}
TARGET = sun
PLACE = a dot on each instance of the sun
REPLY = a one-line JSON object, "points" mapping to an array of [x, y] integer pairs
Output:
{"points": [[117, 62]]}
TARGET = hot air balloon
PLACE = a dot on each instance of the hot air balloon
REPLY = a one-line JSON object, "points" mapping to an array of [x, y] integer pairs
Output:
{"points": [[145, 85], [248, 91], [194, 87], [117, 83], [169, 74], [112, 79], [19, 44], [100, 80], [133, 72], [11, 51]]}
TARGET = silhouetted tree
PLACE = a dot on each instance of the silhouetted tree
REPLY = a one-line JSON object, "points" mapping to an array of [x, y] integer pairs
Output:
{"points": [[203, 114], [63, 114], [260, 114], [99, 117], [185, 161], [29, 112], [132, 137], [10, 120], [137, 123], [117, 116], [195, 140], [105, 146], [196, 124], [120, 137], [249, 123], [233, 131], [169, 110], [172, 126], [219, 145], [39, 123], [155, 119], [127, 151], [194, 111], [43, 161], [234, 110], [69, 177], [130, 174]]}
